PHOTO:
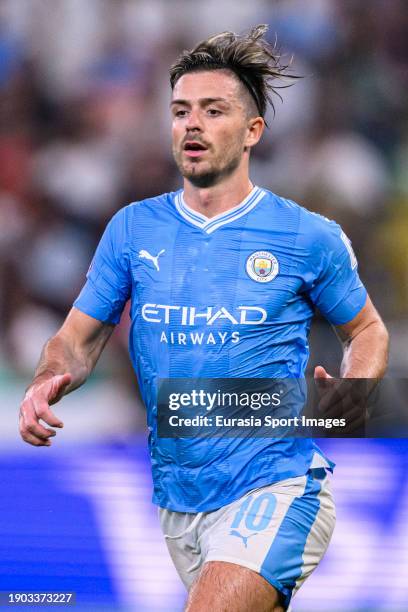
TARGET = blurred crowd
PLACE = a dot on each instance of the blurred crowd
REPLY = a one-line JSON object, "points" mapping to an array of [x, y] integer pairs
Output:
{"points": [[85, 129]]}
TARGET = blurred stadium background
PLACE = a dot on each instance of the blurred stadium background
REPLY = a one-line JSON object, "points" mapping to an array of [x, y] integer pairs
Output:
{"points": [[84, 129]]}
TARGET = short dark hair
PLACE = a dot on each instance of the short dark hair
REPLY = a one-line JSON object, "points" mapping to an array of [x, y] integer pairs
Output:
{"points": [[250, 57]]}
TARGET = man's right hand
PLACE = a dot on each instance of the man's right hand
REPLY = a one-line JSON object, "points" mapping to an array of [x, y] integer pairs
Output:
{"points": [[36, 407]]}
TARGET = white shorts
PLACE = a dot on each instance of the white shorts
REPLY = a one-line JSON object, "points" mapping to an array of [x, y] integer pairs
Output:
{"points": [[280, 531]]}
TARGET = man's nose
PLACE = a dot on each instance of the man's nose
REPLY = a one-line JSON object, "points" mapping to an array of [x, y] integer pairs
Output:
{"points": [[194, 122]]}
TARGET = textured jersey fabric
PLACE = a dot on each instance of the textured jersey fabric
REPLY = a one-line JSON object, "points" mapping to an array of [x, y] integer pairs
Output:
{"points": [[231, 296]]}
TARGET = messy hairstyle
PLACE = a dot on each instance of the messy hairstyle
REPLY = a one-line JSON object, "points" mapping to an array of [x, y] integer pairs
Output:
{"points": [[255, 62]]}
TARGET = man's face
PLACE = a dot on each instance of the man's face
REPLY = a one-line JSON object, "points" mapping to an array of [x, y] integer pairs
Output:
{"points": [[209, 126]]}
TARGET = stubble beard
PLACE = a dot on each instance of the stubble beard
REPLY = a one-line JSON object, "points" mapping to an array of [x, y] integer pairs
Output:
{"points": [[210, 176]]}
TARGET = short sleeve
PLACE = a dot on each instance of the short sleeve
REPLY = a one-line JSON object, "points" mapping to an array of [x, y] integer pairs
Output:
{"points": [[337, 290], [108, 283]]}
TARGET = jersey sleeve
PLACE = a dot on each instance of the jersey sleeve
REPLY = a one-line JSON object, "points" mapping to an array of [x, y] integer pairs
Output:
{"points": [[108, 283], [337, 290]]}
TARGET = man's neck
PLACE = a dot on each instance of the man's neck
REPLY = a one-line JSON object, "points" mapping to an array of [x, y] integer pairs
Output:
{"points": [[218, 198]]}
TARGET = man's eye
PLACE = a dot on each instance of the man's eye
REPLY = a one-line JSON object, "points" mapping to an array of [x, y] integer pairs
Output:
{"points": [[180, 113], [214, 112]]}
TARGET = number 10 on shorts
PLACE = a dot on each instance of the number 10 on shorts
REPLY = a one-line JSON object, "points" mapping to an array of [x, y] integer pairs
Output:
{"points": [[256, 512]]}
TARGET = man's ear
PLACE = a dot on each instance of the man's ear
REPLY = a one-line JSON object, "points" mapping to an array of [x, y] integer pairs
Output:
{"points": [[256, 126]]}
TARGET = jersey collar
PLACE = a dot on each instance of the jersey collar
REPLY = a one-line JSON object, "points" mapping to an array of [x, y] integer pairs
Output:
{"points": [[210, 225]]}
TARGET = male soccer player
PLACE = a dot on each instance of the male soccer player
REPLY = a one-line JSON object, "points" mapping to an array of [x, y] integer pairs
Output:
{"points": [[223, 277]]}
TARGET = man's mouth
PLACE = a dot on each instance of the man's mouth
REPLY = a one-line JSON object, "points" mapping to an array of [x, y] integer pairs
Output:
{"points": [[193, 148]]}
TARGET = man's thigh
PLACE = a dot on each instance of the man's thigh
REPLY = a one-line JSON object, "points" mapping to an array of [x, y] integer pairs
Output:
{"points": [[278, 534], [223, 587]]}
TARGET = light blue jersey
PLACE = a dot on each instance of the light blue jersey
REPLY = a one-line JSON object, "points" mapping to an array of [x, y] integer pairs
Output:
{"points": [[226, 297]]}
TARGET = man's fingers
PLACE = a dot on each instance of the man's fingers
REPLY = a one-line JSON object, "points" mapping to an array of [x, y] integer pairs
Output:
{"points": [[32, 438], [36, 429], [44, 412], [35, 408], [342, 398], [323, 380], [321, 374], [43, 394], [29, 422], [31, 430]]}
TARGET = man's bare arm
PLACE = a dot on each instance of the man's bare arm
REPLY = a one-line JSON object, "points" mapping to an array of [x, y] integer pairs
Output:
{"points": [[365, 346], [365, 343], [66, 361]]}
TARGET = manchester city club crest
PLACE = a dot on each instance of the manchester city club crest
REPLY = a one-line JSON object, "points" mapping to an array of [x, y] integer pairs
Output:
{"points": [[262, 266]]}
